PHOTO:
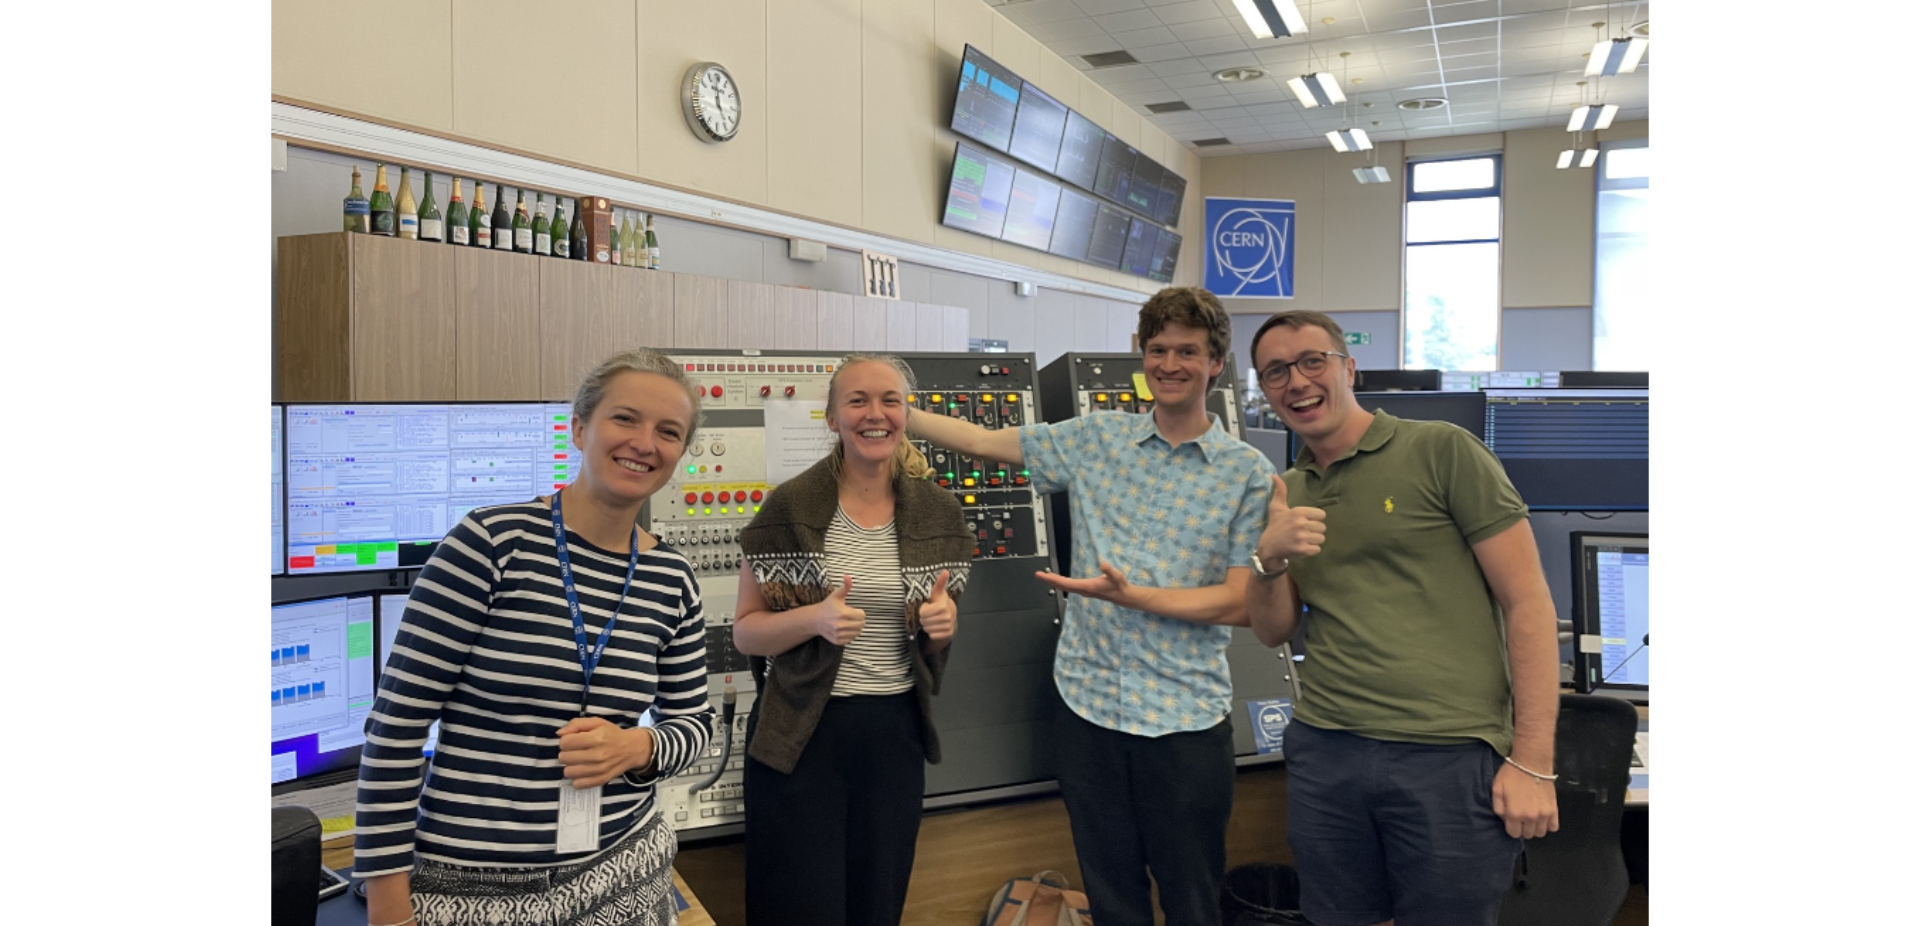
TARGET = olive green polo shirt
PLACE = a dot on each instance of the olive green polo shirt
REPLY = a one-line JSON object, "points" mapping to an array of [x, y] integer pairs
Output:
{"points": [[1404, 638]]}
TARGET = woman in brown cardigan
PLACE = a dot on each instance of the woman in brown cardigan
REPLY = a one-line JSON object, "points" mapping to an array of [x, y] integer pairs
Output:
{"points": [[847, 598]]}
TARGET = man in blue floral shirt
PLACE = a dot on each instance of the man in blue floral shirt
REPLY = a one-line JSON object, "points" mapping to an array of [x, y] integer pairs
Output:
{"points": [[1166, 509]]}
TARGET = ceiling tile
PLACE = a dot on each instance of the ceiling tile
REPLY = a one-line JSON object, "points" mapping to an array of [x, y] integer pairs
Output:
{"points": [[1510, 7], [1206, 29], [1374, 9], [1128, 21], [1103, 7], [1177, 66], [1083, 45], [1466, 32], [1472, 73], [1275, 95], [1394, 22], [1040, 11], [1073, 28], [1286, 59], [1152, 54], [1450, 48], [1150, 84], [1457, 12], [1238, 59], [1187, 81], [1415, 38], [1198, 95], [1107, 77], [1187, 12], [1219, 46], [1516, 40], [1538, 22], [1146, 38]]}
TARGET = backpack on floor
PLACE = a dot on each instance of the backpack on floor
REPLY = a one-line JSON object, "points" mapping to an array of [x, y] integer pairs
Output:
{"points": [[1042, 900]]}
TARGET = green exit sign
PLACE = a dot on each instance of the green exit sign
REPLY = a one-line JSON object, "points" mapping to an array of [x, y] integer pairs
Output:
{"points": [[1359, 337]]}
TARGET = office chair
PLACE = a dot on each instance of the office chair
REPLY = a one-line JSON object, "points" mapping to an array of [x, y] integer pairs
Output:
{"points": [[1577, 875], [296, 866]]}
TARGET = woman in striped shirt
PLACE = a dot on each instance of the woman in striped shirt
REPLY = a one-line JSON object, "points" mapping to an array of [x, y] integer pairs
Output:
{"points": [[848, 591], [563, 653]]}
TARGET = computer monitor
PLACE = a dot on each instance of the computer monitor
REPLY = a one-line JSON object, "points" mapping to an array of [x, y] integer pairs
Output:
{"points": [[1073, 225], [1116, 169], [1610, 630], [1143, 194], [1166, 254], [376, 485], [1603, 379], [323, 684], [1030, 210], [1397, 381], [1080, 147], [1143, 238], [1173, 189], [1037, 128], [987, 98], [1109, 242], [277, 519], [392, 609], [1572, 449], [978, 192]]}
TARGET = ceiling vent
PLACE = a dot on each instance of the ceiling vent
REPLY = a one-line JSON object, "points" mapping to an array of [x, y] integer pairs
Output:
{"points": [[1176, 106], [1639, 29], [1421, 105], [1211, 142], [1109, 59]]}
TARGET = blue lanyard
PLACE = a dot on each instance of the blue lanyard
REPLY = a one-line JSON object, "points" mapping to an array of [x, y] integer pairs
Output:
{"points": [[589, 659]]}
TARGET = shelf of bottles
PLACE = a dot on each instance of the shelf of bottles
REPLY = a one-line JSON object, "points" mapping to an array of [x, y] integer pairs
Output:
{"points": [[596, 232]]}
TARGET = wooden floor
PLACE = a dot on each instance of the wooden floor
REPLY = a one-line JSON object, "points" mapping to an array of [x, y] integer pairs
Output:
{"points": [[965, 855]]}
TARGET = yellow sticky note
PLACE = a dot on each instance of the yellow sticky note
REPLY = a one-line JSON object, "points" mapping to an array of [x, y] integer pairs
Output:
{"points": [[1140, 386]]}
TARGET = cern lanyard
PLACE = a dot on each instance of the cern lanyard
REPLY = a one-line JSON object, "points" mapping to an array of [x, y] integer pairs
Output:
{"points": [[589, 659]]}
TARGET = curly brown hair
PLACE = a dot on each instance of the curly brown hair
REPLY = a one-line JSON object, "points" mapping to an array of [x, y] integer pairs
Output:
{"points": [[1192, 307]]}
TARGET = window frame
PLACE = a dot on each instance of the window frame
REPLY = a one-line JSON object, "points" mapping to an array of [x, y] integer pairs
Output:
{"points": [[1602, 186], [1497, 191]]}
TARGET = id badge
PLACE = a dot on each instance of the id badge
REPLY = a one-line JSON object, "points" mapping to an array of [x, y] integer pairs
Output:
{"points": [[579, 821]]}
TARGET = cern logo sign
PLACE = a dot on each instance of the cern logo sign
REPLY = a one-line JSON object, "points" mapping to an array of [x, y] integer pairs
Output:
{"points": [[1249, 249]]}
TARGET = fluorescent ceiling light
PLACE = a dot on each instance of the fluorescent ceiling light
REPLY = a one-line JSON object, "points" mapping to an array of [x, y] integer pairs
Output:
{"points": [[1374, 174], [1586, 157], [1349, 140], [1592, 118], [1319, 89], [1271, 18], [1615, 56]]}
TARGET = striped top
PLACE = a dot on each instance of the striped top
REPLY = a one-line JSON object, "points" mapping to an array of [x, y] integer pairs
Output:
{"points": [[875, 662], [486, 648]]}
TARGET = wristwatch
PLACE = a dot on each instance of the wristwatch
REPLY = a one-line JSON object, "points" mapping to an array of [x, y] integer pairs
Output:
{"points": [[1260, 569]]}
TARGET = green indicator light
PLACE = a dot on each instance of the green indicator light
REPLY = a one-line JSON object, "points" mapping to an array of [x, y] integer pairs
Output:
{"points": [[423, 543], [1024, 472], [756, 509], [559, 467], [689, 470], [706, 511], [689, 512], [393, 547], [365, 557], [741, 509]]}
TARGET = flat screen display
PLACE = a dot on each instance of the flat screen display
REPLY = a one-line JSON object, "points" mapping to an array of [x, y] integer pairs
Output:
{"points": [[322, 684], [1572, 449], [1173, 188], [1610, 614], [1109, 242], [1142, 237], [1073, 225], [988, 97], [1116, 169], [977, 194], [1030, 210], [1143, 194], [1037, 128], [276, 521], [1079, 162], [1166, 253]]}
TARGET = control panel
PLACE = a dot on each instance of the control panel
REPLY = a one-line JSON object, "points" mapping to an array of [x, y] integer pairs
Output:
{"points": [[1000, 505]]}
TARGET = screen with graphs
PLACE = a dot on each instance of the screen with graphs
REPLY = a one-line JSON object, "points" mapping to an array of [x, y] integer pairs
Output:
{"points": [[1030, 211], [1079, 161], [984, 107], [1109, 241], [375, 486], [322, 684], [1037, 128], [977, 195]]}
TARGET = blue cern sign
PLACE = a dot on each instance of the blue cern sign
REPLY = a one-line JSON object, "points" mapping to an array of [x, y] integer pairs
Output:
{"points": [[1250, 248]]}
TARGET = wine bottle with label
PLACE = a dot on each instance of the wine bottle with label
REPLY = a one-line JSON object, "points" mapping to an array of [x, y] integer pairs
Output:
{"points": [[522, 225], [409, 210], [358, 213], [629, 248], [613, 238], [557, 229], [502, 220], [382, 203], [482, 222], [457, 218], [578, 247], [542, 238], [653, 246], [431, 226]]}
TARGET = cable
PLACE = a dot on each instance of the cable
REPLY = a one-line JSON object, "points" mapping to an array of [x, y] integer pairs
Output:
{"points": [[726, 742], [1622, 663]]}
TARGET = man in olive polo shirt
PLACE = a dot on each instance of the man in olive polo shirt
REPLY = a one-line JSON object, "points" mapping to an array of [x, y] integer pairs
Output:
{"points": [[1421, 751]]}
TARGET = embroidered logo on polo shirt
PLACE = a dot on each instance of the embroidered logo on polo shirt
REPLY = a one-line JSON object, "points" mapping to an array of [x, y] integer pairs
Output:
{"points": [[1389, 504]]}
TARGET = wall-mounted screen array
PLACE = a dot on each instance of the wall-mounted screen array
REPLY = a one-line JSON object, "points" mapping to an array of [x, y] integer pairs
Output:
{"points": [[375, 486], [992, 196], [1011, 116]]}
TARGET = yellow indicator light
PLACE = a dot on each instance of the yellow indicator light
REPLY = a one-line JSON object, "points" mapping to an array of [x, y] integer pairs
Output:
{"points": [[1097, 397], [968, 482], [1013, 399], [703, 469], [969, 499], [756, 509], [706, 511], [740, 509], [1126, 396], [689, 512], [936, 397]]}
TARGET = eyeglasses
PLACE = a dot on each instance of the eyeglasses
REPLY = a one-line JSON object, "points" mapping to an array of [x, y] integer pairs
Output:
{"points": [[1312, 363]]}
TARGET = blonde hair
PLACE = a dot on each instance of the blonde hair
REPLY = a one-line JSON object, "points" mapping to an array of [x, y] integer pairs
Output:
{"points": [[907, 459], [638, 360]]}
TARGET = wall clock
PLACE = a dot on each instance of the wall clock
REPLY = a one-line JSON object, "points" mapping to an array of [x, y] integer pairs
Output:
{"points": [[711, 101]]}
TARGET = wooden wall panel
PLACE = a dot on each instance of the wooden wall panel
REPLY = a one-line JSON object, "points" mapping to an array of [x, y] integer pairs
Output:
{"points": [[496, 301], [310, 325], [870, 323], [580, 322], [749, 315], [402, 327], [644, 302], [699, 311], [835, 321], [796, 318]]}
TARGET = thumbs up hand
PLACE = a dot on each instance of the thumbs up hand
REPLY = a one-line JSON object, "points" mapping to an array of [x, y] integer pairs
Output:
{"points": [[840, 622], [1290, 533], [938, 614]]}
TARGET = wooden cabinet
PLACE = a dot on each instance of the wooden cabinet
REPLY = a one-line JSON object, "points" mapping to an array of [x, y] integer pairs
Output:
{"points": [[497, 317], [589, 312], [364, 318]]}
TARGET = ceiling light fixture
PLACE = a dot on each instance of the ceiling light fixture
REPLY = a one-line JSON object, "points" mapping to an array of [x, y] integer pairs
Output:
{"points": [[1318, 89], [1271, 18], [1374, 174], [1592, 118], [1585, 156], [1615, 56], [1347, 141]]}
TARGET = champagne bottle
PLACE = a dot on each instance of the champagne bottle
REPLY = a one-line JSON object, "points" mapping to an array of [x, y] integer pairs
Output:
{"points": [[558, 229], [382, 203], [358, 214], [653, 246], [578, 247], [502, 220], [629, 248], [409, 210], [457, 218], [614, 256], [522, 225], [482, 222], [431, 226], [542, 237]]}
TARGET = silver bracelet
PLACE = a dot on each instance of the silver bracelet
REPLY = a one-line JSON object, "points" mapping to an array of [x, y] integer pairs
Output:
{"points": [[405, 921], [1506, 759]]}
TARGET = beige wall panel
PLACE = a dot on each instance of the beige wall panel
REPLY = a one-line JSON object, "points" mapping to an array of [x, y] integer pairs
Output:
{"points": [[811, 168], [699, 310], [1361, 224], [1546, 234], [956, 24], [870, 323], [1622, 130], [1015, 49], [902, 325], [835, 326], [905, 156], [496, 326], [1455, 144], [591, 121], [956, 240], [930, 326], [321, 54], [957, 321], [733, 33], [1095, 103], [796, 318], [579, 321], [750, 315], [402, 322], [1124, 123], [1220, 177], [1059, 79]]}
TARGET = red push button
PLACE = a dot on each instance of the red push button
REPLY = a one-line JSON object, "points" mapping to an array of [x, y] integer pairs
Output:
{"points": [[726, 497], [716, 392], [692, 497], [756, 495], [706, 497]]}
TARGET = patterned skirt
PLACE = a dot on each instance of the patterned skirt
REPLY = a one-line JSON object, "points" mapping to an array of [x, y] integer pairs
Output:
{"points": [[630, 884]]}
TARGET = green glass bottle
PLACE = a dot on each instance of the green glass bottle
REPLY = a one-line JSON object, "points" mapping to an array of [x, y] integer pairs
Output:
{"points": [[558, 228], [358, 213], [577, 248], [457, 218], [522, 225], [653, 246], [613, 238], [432, 227], [482, 222], [384, 220], [542, 239], [502, 220]]}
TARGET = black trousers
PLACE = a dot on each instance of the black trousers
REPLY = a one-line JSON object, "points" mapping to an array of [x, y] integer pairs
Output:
{"points": [[1141, 804], [832, 843]]}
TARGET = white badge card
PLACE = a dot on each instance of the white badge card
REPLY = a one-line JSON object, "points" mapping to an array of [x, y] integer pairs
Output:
{"points": [[579, 823]]}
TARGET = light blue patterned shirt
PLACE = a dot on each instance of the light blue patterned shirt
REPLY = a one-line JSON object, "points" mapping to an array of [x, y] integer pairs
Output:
{"points": [[1167, 517]]}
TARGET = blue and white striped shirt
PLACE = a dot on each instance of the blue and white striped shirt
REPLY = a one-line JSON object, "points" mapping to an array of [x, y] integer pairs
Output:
{"points": [[487, 649]]}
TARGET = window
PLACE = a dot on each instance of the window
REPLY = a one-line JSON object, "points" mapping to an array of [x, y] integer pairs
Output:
{"points": [[1621, 302], [1451, 317]]}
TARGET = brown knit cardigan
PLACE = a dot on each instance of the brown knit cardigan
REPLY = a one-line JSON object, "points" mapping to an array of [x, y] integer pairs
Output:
{"points": [[786, 547]]}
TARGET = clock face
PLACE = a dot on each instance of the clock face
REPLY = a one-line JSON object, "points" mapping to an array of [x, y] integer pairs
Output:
{"points": [[712, 102]]}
